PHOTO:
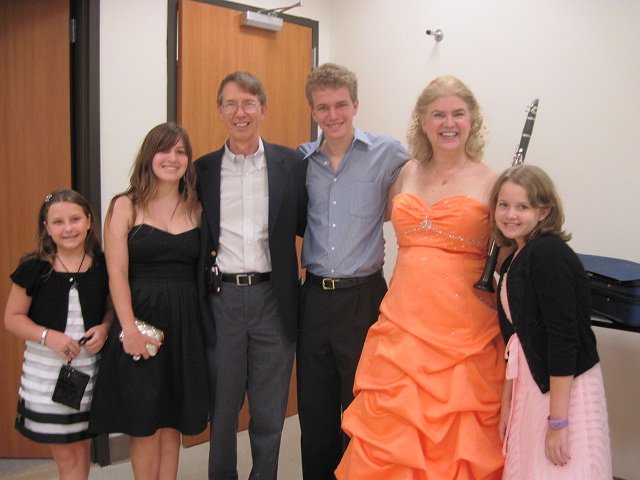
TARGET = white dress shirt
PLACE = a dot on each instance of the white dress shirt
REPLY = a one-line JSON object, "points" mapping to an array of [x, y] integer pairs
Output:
{"points": [[244, 213]]}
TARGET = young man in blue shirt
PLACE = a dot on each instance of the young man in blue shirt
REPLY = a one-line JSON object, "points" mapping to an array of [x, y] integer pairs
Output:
{"points": [[348, 177]]}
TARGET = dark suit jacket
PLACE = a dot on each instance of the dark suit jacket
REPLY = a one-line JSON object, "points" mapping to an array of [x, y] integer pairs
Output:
{"points": [[286, 171]]}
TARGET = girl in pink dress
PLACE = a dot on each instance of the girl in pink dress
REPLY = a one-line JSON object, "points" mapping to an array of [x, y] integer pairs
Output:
{"points": [[554, 414]]}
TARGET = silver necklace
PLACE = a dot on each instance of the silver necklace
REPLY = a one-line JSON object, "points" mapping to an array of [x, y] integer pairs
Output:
{"points": [[444, 182], [72, 280]]}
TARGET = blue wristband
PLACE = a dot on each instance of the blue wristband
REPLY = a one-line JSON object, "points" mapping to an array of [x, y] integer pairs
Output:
{"points": [[557, 424]]}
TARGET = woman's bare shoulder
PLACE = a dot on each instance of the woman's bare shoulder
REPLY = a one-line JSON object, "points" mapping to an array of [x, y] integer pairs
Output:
{"points": [[122, 202], [408, 171], [481, 178], [122, 211], [483, 170]]}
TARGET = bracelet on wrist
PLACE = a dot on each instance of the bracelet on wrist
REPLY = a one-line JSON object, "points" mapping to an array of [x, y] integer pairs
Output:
{"points": [[557, 424], [43, 336]]}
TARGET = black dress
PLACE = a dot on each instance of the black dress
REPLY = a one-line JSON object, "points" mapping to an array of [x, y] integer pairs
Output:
{"points": [[170, 389]]}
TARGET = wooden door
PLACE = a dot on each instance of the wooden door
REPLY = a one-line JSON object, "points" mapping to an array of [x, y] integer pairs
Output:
{"points": [[35, 148], [212, 43]]}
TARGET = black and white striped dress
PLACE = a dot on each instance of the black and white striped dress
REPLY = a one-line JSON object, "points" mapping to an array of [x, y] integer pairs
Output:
{"points": [[57, 302], [39, 417]]}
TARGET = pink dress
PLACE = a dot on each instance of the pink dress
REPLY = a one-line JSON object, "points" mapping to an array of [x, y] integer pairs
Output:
{"points": [[589, 444]]}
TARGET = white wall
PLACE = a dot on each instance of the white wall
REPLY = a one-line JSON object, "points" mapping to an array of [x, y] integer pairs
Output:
{"points": [[579, 57], [133, 84]]}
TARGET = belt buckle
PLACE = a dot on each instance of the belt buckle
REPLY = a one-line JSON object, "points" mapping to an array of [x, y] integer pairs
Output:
{"points": [[247, 276], [329, 283]]}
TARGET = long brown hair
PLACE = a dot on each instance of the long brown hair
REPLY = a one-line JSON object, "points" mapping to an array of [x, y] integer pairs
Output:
{"points": [[143, 183], [541, 193], [45, 246]]}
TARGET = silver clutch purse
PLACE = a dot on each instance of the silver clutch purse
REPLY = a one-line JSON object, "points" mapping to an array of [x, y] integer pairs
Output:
{"points": [[150, 331]]}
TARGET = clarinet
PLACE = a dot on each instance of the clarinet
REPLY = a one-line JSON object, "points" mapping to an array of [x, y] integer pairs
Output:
{"points": [[486, 280]]}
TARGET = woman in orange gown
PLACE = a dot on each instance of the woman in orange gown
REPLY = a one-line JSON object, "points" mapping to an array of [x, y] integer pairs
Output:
{"points": [[429, 381]]}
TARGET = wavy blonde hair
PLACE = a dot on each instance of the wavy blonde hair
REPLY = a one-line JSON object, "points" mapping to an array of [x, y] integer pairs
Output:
{"points": [[419, 144]]}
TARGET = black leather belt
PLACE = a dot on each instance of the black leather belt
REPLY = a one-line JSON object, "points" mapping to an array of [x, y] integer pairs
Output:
{"points": [[245, 279], [328, 283]]}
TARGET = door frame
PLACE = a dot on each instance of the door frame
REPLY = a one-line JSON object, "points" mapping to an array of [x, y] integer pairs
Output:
{"points": [[86, 175], [85, 102], [172, 48]]}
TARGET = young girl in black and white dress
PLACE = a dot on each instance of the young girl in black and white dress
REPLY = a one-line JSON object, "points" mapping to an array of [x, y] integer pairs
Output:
{"points": [[58, 297]]}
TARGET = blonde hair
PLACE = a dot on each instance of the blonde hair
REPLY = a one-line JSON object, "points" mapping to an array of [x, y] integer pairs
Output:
{"points": [[541, 193], [419, 144]]}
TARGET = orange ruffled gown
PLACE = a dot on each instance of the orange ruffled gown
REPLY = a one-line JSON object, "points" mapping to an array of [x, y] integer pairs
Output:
{"points": [[429, 382]]}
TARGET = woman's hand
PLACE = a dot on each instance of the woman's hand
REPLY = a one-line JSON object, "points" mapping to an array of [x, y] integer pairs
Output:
{"points": [[556, 446], [135, 343]]}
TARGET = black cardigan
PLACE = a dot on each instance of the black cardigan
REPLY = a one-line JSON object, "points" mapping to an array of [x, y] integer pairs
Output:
{"points": [[548, 292], [49, 291]]}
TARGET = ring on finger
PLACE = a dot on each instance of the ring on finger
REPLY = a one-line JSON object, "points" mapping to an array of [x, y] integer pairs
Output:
{"points": [[136, 357]]}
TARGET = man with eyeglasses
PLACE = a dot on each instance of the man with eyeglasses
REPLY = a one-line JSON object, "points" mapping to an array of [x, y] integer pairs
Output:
{"points": [[254, 204], [348, 177]]}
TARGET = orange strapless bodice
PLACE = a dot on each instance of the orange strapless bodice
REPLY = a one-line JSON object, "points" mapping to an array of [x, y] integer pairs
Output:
{"points": [[453, 224]]}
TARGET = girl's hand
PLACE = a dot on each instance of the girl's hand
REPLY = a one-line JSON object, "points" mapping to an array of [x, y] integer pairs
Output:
{"points": [[64, 345], [556, 447], [555, 443], [96, 337], [504, 420], [505, 408]]}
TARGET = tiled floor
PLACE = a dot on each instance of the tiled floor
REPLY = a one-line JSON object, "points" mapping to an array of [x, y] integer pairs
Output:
{"points": [[193, 462]]}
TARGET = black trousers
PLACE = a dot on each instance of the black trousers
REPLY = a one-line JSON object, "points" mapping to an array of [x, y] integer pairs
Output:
{"points": [[333, 327]]}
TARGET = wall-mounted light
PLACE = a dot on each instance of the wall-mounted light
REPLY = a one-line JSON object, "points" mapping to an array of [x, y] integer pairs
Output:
{"points": [[438, 34]]}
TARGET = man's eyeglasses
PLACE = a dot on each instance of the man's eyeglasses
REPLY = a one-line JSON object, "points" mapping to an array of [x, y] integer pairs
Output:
{"points": [[229, 108]]}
